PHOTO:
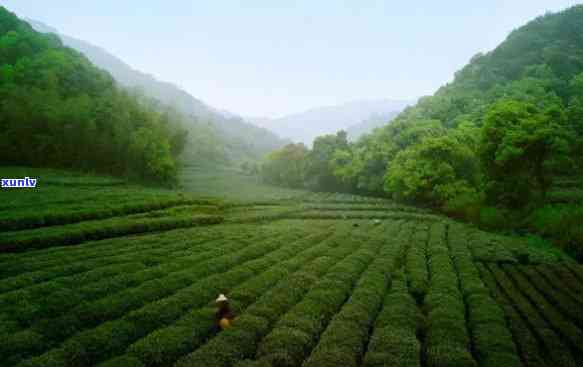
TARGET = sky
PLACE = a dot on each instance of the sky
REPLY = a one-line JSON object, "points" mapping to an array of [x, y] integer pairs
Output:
{"points": [[270, 58]]}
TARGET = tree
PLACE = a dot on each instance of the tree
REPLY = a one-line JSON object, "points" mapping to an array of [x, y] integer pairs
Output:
{"points": [[520, 147], [320, 173], [432, 172], [286, 166]]}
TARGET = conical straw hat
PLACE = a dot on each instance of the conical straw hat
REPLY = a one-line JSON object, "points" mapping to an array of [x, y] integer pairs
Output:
{"points": [[221, 298]]}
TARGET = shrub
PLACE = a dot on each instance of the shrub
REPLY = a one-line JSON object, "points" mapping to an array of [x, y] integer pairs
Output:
{"points": [[124, 361], [393, 347], [330, 356], [493, 218], [562, 223], [293, 342], [449, 355], [165, 346], [105, 341], [17, 346]]}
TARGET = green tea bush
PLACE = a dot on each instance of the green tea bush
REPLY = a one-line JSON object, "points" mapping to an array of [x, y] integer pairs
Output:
{"points": [[556, 318], [416, 263], [150, 349], [271, 306], [448, 341], [35, 220], [345, 338], [165, 345], [491, 339], [93, 346], [96, 230], [562, 223], [561, 355], [393, 347], [123, 361], [560, 276], [558, 299], [493, 218], [14, 347]]}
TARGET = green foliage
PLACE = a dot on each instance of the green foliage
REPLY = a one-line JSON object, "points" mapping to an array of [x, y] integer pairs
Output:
{"points": [[520, 145], [434, 172], [59, 110], [287, 166], [493, 218], [496, 137], [563, 223], [320, 172]]}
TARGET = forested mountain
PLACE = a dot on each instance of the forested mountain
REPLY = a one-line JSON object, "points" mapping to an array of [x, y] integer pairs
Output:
{"points": [[58, 110], [214, 135], [487, 147], [306, 126], [367, 126]]}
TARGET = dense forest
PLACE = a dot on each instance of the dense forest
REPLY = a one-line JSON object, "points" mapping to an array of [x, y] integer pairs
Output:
{"points": [[487, 148], [58, 110]]}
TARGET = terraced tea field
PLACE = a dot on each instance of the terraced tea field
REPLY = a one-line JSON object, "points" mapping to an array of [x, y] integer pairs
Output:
{"points": [[316, 280]]}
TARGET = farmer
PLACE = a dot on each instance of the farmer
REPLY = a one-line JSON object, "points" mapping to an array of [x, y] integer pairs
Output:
{"points": [[224, 315]]}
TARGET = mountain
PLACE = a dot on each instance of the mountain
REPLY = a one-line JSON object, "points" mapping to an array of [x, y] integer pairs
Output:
{"points": [[377, 120], [240, 139], [306, 126]]}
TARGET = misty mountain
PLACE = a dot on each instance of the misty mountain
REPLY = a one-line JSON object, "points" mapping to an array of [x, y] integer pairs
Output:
{"points": [[241, 139], [306, 126], [377, 120]]}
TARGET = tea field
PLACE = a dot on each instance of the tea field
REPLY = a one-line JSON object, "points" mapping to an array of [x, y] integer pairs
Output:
{"points": [[98, 272]]}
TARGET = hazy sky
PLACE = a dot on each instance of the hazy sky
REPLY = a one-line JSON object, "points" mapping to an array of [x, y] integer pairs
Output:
{"points": [[270, 58]]}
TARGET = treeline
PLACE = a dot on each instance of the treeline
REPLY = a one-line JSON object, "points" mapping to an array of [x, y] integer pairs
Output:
{"points": [[486, 147], [58, 110]]}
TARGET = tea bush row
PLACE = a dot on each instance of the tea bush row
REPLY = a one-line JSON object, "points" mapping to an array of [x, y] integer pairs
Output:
{"points": [[416, 262], [53, 258], [28, 306], [561, 301], [298, 331], [447, 338], [95, 230], [562, 277], [531, 353], [557, 319], [64, 215], [166, 345], [491, 339], [241, 341], [394, 338], [77, 273], [94, 313], [345, 339], [557, 350]]}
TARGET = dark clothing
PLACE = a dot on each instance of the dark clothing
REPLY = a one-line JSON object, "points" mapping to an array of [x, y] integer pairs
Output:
{"points": [[224, 316]]}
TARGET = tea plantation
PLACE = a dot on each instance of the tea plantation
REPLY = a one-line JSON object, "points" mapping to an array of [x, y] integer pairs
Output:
{"points": [[99, 272]]}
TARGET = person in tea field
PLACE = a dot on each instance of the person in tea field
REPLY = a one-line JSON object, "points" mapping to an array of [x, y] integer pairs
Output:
{"points": [[224, 315]]}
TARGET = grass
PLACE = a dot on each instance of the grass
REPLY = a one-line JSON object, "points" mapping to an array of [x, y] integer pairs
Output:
{"points": [[317, 279]]}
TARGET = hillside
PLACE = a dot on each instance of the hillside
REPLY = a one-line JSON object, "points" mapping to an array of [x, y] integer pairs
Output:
{"points": [[487, 147], [238, 139], [306, 126], [59, 110]]}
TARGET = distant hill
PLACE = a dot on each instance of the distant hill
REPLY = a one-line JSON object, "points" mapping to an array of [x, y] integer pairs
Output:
{"points": [[305, 126], [367, 126], [241, 140]]}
